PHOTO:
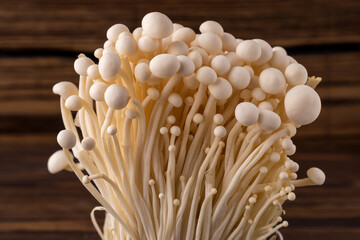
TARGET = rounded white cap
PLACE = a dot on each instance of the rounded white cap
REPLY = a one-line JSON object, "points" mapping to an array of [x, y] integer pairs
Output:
{"points": [[157, 25], [268, 120], [57, 162], [65, 89], [66, 139], [109, 66], [88, 143], [302, 104], [239, 77], [81, 65], [74, 103], [164, 65], [316, 175], [206, 75], [97, 91], [272, 81], [246, 113], [114, 31], [116, 96], [248, 51], [296, 74], [221, 89], [210, 42]]}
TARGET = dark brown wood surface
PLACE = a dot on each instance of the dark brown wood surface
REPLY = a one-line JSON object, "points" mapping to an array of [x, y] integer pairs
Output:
{"points": [[39, 41]]}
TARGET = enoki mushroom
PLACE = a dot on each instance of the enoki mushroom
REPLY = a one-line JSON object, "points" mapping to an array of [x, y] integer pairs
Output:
{"points": [[181, 135]]}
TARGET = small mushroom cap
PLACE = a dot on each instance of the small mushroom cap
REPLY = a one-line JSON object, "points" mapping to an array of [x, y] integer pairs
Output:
{"points": [[248, 51], [109, 66], [147, 44], [316, 175], [126, 45], [74, 103], [65, 89], [268, 120], [175, 99], [246, 113], [220, 131], [185, 34], [114, 31], [206, 75], [221, 89], [93, 72], [57, 162], [164, 65], [157, 25], [296, 74], [239, 77], [229, 42], [116, 96], [153, 93], [220, 64], [81, 65], [142, 72], [111, 130], [97, 91], [210, 42], [211, 26], [266, 51], [187, 66], [272, 81], [178, 48], [66, 139], [88, 143], [196, 57], [279, 59], [302, 104]]}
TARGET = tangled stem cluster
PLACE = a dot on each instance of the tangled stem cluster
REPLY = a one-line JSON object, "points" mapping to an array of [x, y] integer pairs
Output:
{"points": [[181, 135]]}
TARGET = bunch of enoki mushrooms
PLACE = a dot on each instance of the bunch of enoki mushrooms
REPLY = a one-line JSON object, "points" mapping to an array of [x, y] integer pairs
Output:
{"points": [[181, 135]]}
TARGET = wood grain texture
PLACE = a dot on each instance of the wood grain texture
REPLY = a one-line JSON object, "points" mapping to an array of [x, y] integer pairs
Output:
{"points": [[40, 39]]}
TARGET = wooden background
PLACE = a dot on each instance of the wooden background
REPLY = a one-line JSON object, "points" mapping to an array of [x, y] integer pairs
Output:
{"points": [[39, 40]]}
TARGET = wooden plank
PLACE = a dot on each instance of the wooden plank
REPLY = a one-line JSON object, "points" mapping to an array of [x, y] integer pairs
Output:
{"points": [[81, 25]]}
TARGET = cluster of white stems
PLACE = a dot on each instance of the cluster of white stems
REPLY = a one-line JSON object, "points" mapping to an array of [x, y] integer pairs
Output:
{"points": [[181, 135]]}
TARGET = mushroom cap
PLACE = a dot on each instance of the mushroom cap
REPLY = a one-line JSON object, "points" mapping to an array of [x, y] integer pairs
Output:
{"points": [[191, 81], [206, 75], [109, 66], [57, 162], [211, 26], [187, 66], [246, 113], [157, 25], [175, 99], [114, 31], [147, 44], [74, 103], [93, 72], [116, 96], [268, 120], [88, 143], [65, 89], [296, 74], [220, 64], [316, 175], [279, 59], [81, 65], [221, 89], [142, 72], [266, 52], [164, 65], [302, 104], [220, 131], [248, 51], [126, 45], [178, 48], [97, 91], [210, 42], [272, 81], [66, 139], [185, 34], [229, 42]]}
